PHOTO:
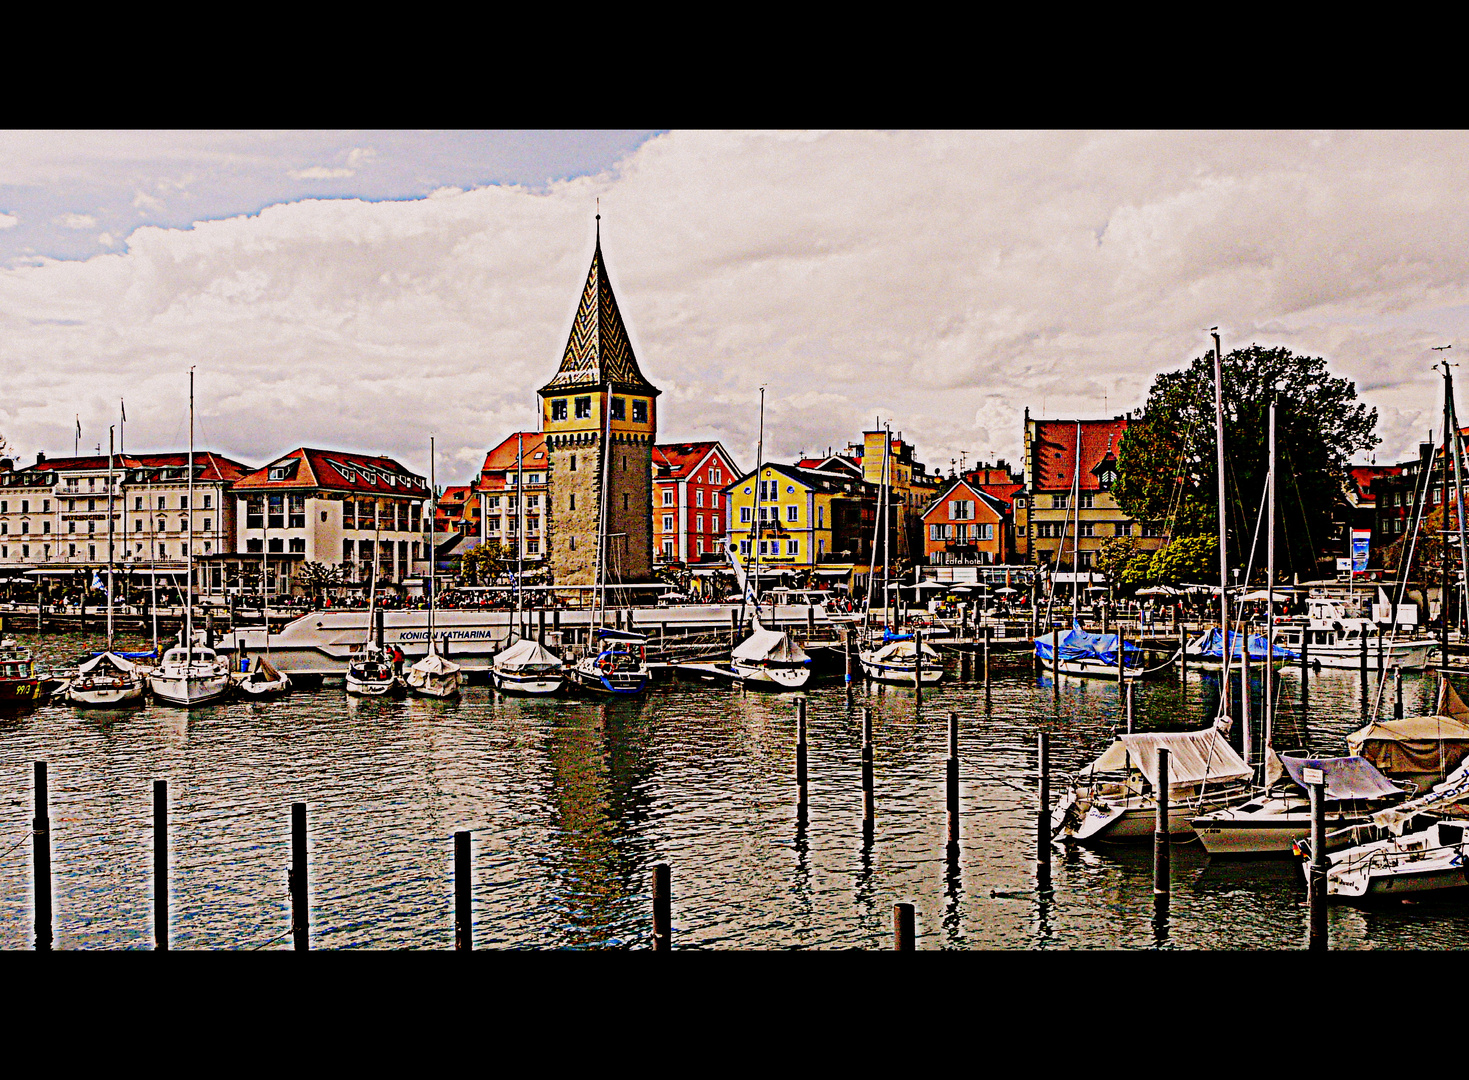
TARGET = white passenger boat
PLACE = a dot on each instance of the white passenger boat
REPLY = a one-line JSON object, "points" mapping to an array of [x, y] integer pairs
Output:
{"points": [[1113, 799], [433, 676], [895, 661], [1333, 639], [528, 668], [770, 660], [107, 681], [374, 674], [263, 681], [1272, 823]]}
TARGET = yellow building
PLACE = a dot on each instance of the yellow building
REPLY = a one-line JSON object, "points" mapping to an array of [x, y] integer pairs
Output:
{"points": [[786, 516]]}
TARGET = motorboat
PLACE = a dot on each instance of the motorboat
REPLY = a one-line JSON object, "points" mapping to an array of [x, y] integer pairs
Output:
{"points": [[1333, 638], [373, 672], [434, 676], [20, 686], [1274, 821], [1207, 650], [190, 675], [620, 666], [263, 681], [528, 667], [896, 658], [1416, 847], [770, 660], [1421, 750], [107, 680], [1113, 800], [1090, 656]]}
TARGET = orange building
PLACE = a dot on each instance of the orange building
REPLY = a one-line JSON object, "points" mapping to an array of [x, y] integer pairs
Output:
{"points": [[513, 492], [967, 526]]}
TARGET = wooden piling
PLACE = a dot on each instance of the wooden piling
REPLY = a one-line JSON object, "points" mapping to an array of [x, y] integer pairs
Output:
{"points": [[541, 627], [1397, 678], [1043, 811], [801, 750], [1131, 687], [662, 908], [1364, 662], [847, 656], [463, 917], [868, 787], [160, 865], [951, 778], [41, 856], [918, 661], [1316, 879], [987, 656], [300, 887], [1121, 659], [903, 931], [1182, 651], [1379, 656], [1161, 853], [810, 621], [734, 627]]}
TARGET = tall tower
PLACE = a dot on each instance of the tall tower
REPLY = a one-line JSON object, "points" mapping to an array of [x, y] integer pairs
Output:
{"points": [[599, 388]]}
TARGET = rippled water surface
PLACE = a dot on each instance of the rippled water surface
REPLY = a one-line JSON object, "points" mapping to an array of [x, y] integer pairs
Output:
{"points": [[573, 801]]}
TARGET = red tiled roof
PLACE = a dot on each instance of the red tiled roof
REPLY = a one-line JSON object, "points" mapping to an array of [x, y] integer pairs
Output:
{"points": [[1053, 452], [1363, 475], [940, 504], [534, 455], [454, 494], [683, 458], [215, 466], [339, 471]]}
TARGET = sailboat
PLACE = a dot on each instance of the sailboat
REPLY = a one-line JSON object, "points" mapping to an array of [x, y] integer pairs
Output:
{"points": [[434, 676], [107, 679], [525, 666], [190, 673], [372, 672], [617, 660], [263, 680]]}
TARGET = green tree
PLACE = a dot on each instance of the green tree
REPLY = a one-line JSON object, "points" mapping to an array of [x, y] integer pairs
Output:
{"points": [[315, 576], [1187, 559], [1114, 556], [483, 563], [1138, 571], [1167, 458]]}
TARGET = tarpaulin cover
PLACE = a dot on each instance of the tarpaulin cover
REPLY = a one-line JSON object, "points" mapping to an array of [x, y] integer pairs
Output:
{"points": [[99, 664], [1193, 756], [1346, 777], [1210, 644], [1077, 644], [526, 653], [902, 650], [1423, 749], [770, 645]]}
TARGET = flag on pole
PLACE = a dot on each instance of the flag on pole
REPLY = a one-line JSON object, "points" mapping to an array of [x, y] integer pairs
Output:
{"points": [[124, 410], [79, 427], [97, 580]]}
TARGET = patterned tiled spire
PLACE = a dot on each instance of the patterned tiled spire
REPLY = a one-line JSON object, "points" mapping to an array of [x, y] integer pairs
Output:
{"points": [[598, 351]]}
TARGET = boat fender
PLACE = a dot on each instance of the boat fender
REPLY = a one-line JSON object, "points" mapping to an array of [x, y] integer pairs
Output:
{"points": [[606, 664]]}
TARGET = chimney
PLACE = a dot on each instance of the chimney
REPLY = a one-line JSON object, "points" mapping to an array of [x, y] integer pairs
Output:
{"points": [[6, 465], [40, 457]]}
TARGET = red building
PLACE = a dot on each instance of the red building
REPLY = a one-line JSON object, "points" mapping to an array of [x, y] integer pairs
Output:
{"points": [[458, 511], [967, 526], [689, 511], [514, 485]]}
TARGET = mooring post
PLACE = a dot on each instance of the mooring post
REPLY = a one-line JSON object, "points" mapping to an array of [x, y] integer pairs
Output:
{"points": [[1182, 651], [1317, 877], [1379, 655], [1120, 656], [987, 655], [1055, 661], [1160, 829], [868, 794], [734, 626], [1364, 663], [801, 750], [1397, 678], [918, 661], [160, 865], [541, 627], [41, 848], [1043, 811], [951, 779], [300, 890], [847, 657], [463, 918], [903, 932], [662, 908], [1131, 687]]}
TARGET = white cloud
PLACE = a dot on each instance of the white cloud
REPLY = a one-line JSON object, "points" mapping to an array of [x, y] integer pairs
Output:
{"points": [[8, 221], [105, 239], [944, 280], [76, 221], [320, 172]]}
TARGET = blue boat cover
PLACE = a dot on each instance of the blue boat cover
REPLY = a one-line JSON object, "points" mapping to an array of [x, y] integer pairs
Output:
{"points": [[1209, 645], [1077, 644], [1346, 777], [888, 635]]}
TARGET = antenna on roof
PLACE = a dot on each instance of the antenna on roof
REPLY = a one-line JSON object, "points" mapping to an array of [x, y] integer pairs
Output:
{"points": [[599, 221]]}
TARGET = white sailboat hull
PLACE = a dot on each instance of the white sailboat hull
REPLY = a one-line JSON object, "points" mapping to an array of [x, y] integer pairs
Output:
{"points": [[102, 697], [899, 671], [773, 677], [189, 690], [513, 682], [1095, 669], [433, 686]]}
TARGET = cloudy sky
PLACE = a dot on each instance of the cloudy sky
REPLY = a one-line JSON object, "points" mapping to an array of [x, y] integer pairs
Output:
{"points": [[364, 290]]}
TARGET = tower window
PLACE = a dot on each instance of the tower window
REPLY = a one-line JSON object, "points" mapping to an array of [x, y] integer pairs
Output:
{"points": [[624, 501], [639, 411], [583, 408], [558, 409], [573, 465], [619, 408], [571, 499]]}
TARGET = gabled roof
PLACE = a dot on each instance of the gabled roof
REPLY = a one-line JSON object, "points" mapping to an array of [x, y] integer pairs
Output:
{"points": [[500, 461], [211, 466], [598, 350], [832, 463], [1053, 451], [684, 459], [999, 507], [816, 479], [457, 494], [338, 471], [1360, 478]]}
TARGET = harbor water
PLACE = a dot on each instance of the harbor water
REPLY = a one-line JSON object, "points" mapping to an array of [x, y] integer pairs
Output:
{"points": [[572, 802]]}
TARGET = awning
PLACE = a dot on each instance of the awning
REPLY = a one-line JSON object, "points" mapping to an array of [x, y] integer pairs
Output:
{"points": [[833, 573]]}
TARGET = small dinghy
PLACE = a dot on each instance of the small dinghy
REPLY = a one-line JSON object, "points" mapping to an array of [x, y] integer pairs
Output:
{"points": [[264, 681], [107, 681], [527, 668], [434, 677], [770, 660]]}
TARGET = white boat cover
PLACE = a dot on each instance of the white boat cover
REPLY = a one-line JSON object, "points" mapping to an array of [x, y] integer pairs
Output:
{"points": [[1193, 756], [770, 645], [901, 650], [104, 660], [527, 653], [434, 664]]}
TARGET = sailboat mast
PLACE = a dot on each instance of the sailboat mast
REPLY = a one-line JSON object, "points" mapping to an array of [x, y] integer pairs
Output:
{"points": [[1223, 529], [1076, 538], [887, 522], [189, 542], [1270, 597], [520, 532], [152, 564], [1443, 613], [1458, 445], [433, 491], [111, 487], [872, 558], [599, 597]]}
